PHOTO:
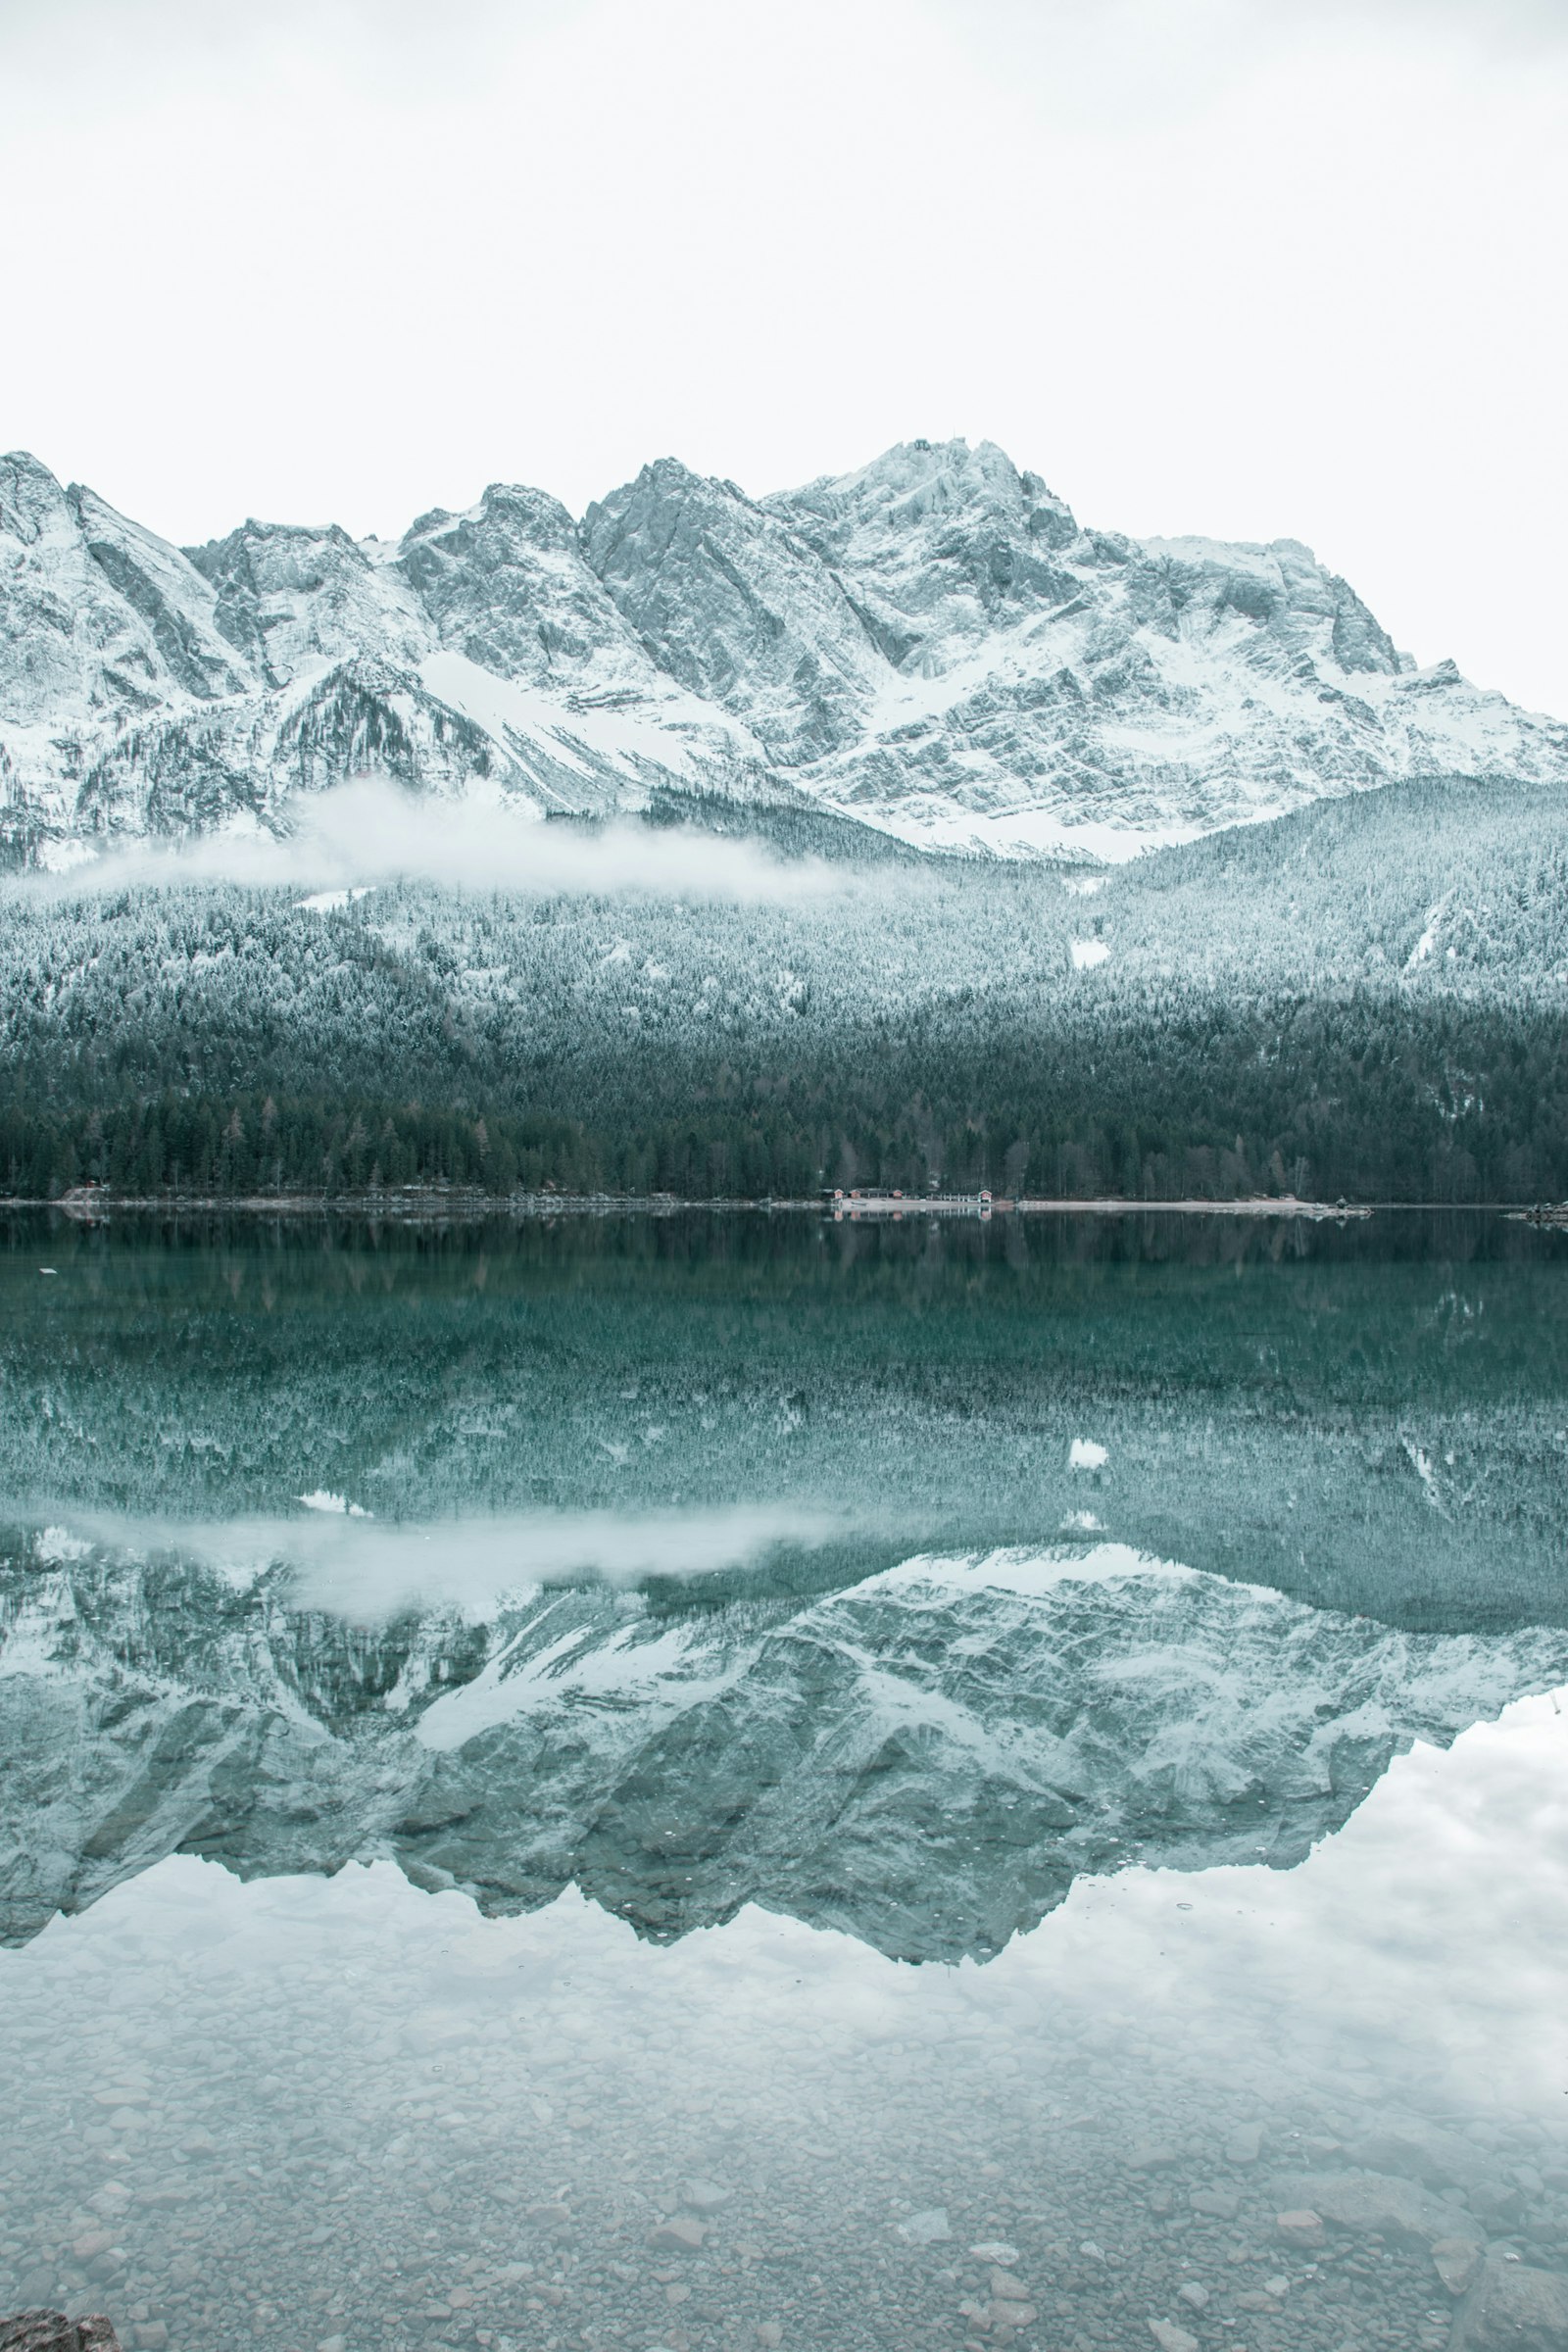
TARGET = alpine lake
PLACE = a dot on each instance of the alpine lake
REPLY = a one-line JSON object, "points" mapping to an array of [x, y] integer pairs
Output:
{"points": [[716, 1781]]}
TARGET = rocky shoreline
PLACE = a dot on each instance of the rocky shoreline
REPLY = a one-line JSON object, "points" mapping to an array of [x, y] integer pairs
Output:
{"points": [[398, 2178], [1355, 2261], [422, 1204]]}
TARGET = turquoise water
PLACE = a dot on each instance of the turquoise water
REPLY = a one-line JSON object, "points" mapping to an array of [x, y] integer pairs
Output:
{"points": [[699, 1782]]}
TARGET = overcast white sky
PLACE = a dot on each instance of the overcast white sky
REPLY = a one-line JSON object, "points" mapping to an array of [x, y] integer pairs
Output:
{"points": [[1250, 268]]}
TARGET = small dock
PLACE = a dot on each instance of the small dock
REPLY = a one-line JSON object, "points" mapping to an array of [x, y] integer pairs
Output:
{"points": [[854, 1206]]}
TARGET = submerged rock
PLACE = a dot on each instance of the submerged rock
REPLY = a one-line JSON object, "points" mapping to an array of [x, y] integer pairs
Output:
{"points": [[52, 2332], [1511, 2304], [1385, 2205], [1457, 2261]]}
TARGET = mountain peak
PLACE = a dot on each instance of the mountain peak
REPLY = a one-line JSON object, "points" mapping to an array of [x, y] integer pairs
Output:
{"points": [[505, 585], [938, 543], [30, 495], [729, 600], [917, 478]]}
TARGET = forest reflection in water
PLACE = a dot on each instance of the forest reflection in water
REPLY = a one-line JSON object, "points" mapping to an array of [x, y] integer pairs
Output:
{"points": [[883, 1790]]}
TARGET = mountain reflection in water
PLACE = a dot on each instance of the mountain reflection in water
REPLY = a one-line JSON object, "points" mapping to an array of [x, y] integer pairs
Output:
{"points": [[926, 1758], [602, 1657], [890, 1580]]}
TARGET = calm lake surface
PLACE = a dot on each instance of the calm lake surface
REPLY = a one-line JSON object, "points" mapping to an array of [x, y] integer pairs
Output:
{"points": [[740, 1782]]}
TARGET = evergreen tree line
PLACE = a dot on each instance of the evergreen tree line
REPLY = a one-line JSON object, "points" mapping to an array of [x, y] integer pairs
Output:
{"points": [[1367, 999], [1358, 1098]]}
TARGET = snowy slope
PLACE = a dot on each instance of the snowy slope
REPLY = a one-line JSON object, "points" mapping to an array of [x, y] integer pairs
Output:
{"points": [[932, 646], [1052, 686]]}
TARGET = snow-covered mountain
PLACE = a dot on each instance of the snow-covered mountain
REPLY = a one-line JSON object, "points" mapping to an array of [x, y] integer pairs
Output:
{"points": [[926, 1759], [932, 646]]}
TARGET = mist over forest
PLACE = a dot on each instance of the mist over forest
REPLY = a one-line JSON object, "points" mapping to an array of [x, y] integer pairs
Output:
{"points": [[1364, 998]]}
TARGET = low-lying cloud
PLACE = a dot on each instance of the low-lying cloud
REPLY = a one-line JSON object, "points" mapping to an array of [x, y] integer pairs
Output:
{"points": [[371, 831]]}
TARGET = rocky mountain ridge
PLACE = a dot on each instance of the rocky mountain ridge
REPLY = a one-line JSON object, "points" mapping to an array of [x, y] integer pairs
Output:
{"points": [[933, 647]]}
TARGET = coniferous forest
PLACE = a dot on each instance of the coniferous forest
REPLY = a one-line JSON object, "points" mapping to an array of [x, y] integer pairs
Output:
{"points": [[1366, 999]]}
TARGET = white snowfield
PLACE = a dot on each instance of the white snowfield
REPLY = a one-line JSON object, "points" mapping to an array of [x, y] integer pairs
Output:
{"points": [[933, 647]]}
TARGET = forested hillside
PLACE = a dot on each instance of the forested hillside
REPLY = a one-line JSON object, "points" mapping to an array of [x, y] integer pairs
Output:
{"points": [[1365, 998]]}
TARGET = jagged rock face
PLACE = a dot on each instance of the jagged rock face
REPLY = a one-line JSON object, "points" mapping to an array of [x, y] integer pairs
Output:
{"points": [[165, 593], [97, 617], [505, 585], [925, 1760], [933, 646], [195, 774], [740, 609], [145, 691], [292, 600], [937, 546]]}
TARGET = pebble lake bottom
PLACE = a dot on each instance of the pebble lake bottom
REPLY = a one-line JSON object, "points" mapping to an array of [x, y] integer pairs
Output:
{"points": [[1077, 1856]]}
